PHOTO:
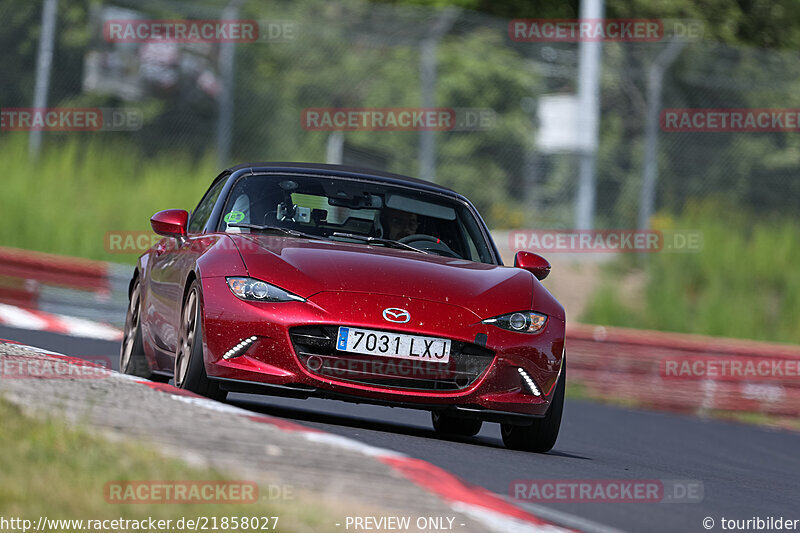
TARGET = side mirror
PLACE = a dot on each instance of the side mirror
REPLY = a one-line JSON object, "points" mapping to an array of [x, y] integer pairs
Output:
{"points": [[533, 263], [170, 223]]}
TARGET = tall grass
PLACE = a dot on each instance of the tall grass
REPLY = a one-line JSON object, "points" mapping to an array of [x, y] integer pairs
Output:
{"points": [[744, 283], [76, 192]]}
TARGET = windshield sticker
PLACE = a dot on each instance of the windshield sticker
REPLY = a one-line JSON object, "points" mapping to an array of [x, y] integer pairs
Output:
{"points": [[234, 217]]}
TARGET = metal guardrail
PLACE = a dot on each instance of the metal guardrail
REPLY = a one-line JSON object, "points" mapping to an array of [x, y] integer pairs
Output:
{"points": [[632, 365], [64, 285]]}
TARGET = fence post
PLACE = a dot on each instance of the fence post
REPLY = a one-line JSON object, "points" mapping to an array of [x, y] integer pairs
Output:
{"points": [[655, 82], [44, 62], [227, 59], [590, 62], [427, 81]]}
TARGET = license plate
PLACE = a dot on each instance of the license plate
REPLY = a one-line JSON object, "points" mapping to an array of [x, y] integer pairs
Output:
{"points": [[399, 345]]}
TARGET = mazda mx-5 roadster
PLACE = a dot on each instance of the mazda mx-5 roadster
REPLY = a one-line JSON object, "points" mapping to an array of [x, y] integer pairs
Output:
{"points": [[310, 280]]}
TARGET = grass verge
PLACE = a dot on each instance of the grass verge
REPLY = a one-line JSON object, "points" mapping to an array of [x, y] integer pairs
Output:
{"points": [[76, 193], [744, 283], [55, 471]]}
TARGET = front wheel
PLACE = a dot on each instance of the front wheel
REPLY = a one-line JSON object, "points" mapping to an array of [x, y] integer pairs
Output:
{"points": [[465, 427], [190, 368], [540, 436]]}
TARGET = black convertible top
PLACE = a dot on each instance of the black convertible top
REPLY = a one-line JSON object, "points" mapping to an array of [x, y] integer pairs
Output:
{"points": [[343, 170]]}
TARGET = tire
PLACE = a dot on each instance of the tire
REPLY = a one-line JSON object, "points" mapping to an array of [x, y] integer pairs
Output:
{"points": [[450, 425], [131, 352], [190, 368], [540, 436]]}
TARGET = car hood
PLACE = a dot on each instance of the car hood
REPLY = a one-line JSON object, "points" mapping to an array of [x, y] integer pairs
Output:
{"points": [[307, 267]]}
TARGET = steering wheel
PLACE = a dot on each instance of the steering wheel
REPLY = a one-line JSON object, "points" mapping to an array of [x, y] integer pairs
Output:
{"points": [[417, 237], [442, 249]]}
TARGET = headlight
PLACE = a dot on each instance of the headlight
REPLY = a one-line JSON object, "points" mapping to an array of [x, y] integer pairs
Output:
{"points": [[255, 290], [521, 321]]}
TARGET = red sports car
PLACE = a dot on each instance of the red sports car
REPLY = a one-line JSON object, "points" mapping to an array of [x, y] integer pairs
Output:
{"points": [[327, 281]]}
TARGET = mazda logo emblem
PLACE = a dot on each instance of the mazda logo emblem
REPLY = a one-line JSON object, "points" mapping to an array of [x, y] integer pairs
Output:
{"points": [[393, 314]]}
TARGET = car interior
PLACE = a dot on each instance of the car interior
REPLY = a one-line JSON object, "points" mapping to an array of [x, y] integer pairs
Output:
{"points": [[321, 210]]}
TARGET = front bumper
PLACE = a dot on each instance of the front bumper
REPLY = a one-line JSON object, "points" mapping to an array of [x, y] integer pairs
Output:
{"points": [[271, 364]]}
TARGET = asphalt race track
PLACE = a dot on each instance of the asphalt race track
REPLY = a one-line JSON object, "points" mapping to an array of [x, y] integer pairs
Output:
{"points": [[746, 471]]}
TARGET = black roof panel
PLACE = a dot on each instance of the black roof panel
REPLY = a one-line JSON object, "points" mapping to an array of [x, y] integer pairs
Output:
{"points": [[326, 169]]}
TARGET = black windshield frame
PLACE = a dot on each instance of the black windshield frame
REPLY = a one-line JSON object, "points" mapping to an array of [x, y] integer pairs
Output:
{"points": [[479, 233]]}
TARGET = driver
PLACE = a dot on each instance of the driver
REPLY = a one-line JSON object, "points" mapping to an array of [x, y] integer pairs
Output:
{"points": [[398, 224]]}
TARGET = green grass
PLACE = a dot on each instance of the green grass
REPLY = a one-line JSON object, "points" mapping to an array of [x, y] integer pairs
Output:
{"points": [[77, 192], [49, 469], [744, 283]]}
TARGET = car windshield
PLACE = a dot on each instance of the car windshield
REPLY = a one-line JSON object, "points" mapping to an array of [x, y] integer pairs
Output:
{"points": [[355, 211]]}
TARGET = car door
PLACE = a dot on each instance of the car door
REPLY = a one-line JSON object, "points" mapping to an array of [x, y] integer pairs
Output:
{"points": [[170, 262]]}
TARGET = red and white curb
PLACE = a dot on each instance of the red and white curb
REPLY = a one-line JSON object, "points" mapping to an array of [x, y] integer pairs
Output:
{"points": [[18, 317], [494, 512]]}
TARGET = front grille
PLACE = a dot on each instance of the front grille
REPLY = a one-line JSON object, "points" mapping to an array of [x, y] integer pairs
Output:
{"points": [[316, 348]]}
